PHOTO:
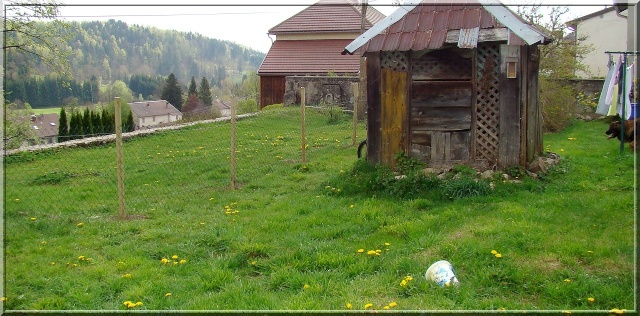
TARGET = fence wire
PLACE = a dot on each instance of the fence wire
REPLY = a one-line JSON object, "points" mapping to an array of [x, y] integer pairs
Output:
{"points": [[164, 169]]}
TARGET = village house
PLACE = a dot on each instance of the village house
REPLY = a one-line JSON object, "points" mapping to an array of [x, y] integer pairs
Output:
{"points": [[223, 107], [453, 84], [602, 31], [306, 53], [45, 127], [153, 113]]}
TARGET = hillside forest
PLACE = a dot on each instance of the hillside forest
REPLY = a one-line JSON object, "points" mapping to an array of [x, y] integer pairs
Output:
{"points": [[109, 57]]}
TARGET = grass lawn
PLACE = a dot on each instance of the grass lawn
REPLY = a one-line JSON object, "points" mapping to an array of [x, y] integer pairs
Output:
{"points": [[289, 237], [46, 111]]}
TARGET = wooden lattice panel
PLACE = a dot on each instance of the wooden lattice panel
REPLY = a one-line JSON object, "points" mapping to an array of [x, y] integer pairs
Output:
{"points": [[440, 66], [396, 61], [487, 103]]}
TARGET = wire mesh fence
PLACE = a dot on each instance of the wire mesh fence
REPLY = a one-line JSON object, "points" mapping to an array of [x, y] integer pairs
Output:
{"points": [[165, 169]]}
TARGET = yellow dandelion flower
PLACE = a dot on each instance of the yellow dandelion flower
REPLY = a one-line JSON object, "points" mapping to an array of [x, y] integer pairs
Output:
{"points": [[183, 261], [351, 206], [378, 250], [126, 303], [591, 299], [493, 252], [80, 224], [253, 263], [393, 304], [138, 303], [408, 278], [371, 252], [502, 309], [167, 295], [33, 218], [53, 263], [616, 311], [349, 306], [360, 250], [566, 312], [306, 286], [386, 307], [80, 257], [43, 242], [567, 280], [175, 262], [174, 257], [571, 138], [368, 305], [403, 283], [128, 275], [387, 244], [17, 200], [164, 260], [498, 255]]}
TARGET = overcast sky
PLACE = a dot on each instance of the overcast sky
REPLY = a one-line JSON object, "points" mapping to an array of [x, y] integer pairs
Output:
{"points": [[245, 22]]}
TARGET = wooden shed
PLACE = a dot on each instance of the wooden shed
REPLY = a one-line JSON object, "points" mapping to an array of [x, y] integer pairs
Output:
{"points": [[453, 83]]}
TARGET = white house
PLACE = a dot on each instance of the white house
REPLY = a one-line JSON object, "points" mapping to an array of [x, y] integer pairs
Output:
{"points": [[605, 30], [152, 113]]}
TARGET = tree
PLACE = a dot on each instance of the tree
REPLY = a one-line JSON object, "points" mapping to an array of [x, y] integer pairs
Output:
{"points": [[63, 126], [96, 121], [251, 86], [18, 127], [129, 125], [75, 125], [87, 123], [204, 92], [559, 61], [172, 92], [42, 44], [192, 104], [193, 90]]}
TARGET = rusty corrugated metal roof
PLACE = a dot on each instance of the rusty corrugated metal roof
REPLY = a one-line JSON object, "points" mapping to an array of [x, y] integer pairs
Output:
{"points": [[329, 16], [308, 57], [425, 24]]}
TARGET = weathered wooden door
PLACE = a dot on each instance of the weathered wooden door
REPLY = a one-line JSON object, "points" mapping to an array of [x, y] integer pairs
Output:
{"points": [[440, 117]]}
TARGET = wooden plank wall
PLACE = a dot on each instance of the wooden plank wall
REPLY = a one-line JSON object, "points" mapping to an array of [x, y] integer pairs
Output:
{"points": [[373, 107], [534, 109], [509, 148], [271, 90], [394, 114]]}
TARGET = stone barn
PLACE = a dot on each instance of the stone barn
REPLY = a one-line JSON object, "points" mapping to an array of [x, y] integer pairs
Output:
{"points": [[453, 83]]}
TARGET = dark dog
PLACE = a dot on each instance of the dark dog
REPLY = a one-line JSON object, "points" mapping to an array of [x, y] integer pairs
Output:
{"points": [[630, 133]]}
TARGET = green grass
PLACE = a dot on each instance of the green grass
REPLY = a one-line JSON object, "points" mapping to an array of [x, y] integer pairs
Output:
{"points": [[288, 237], [46, 111]]}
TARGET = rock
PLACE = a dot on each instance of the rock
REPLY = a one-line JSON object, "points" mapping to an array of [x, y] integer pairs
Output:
{"points": [[428, 171], [538, 165], [487, 174]]}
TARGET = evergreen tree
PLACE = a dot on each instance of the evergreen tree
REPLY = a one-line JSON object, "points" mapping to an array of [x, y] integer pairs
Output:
{"points": [[97, 122], [87, 123], [107, 122], [63, 126], [204, 93], [192, 87], [128, 125], [172, 92], [75, 125]]}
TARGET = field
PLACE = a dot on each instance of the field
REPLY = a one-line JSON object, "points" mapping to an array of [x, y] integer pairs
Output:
{"points": [[316, 235]]}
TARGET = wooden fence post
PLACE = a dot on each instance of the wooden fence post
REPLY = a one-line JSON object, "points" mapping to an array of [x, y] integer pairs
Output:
{"points": [[120, 167], [354, 140], [303, 128], [233, 143]]}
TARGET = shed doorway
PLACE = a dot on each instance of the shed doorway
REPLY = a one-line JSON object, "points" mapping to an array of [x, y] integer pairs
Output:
{"points": [[441, 106]]}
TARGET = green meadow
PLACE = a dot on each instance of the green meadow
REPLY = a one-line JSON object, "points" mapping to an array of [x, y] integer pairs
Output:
{"points": [[331, 233]]}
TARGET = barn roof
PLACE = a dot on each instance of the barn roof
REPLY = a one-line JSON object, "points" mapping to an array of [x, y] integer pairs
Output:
{"points": [[298, 57], [329, 16], [426, 24]]}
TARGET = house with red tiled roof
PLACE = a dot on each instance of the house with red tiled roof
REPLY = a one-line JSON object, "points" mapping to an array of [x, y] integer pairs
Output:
{"points": [[309, 44], [453, 82]]}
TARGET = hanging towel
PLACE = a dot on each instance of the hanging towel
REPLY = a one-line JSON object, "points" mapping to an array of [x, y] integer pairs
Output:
{"points": [[613, 108], [614, 80], [628, 79], [603, 106]]}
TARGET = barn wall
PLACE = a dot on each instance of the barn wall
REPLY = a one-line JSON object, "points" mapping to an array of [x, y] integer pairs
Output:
{"points": [[320, 89], [394, 114], [271, 90], [534, 108]]}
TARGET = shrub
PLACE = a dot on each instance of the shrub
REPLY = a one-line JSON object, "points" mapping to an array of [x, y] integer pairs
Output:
{"points": [[273, 106]]}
